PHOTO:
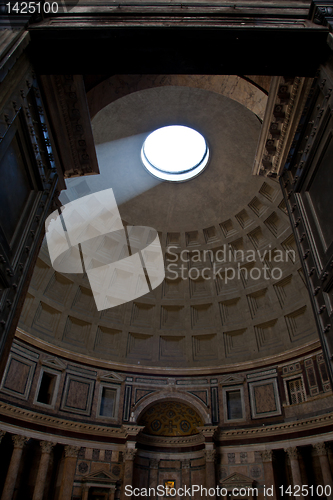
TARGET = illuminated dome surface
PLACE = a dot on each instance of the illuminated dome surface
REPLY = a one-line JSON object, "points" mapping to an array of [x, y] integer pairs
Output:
{"points": [[175, 153]]}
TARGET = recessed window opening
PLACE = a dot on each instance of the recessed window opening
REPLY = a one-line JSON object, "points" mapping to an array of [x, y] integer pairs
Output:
{"points": [[175, 153], [234, 405], [46, 388], [107, 402], [296, 391]]}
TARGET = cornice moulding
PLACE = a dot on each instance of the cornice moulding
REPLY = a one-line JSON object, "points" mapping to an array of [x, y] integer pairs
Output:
{"points": [[123, 367], [313, 423], [60, 424]]}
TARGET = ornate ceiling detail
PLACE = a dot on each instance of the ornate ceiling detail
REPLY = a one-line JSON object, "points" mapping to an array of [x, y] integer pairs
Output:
{"points": [[170, 419], [69, 113], [286, 99]]}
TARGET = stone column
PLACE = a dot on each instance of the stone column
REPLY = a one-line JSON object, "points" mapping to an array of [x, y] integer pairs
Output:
{"points": [[129, 456], [267, 459], [85, 492], [47, 447], [186, 474], [210, 471], [208, 432], [8, 490], [319, 450], [292, 453], [111, 492], [153, 475], [66, 487]]}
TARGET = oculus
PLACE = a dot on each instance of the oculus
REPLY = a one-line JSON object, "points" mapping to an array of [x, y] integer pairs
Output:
{"points": [[175, 153]]}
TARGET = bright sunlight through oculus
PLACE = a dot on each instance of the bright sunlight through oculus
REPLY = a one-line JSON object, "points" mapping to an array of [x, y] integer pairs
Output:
{"points": [[175, 153]]}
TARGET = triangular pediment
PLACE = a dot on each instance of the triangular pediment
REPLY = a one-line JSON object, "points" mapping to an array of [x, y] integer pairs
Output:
{"points": [[100, 475], [55, 363], [237, 478], [232, 379], [111, 377]]}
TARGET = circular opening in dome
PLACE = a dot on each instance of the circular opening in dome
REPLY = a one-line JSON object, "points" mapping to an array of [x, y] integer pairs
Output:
{"points": [[175, 153]]}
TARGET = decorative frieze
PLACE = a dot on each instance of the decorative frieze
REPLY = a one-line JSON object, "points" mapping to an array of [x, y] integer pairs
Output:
{"points": [[286, 99], [71, 451], [69, 112]]}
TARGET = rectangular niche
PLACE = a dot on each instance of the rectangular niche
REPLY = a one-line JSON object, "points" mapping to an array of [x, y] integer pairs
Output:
{"points": [[227, 228], [40, 271], [237, 248], [18, 376], [173, 288], [107, 341], [142, 314], [267, 335], [233, 403], [199, 288], [202, 316], [264, 398], [268, 192], [192, 239], [77, 396], [58, 288], [84, 301], [283, 207], [140, 346], [108, 401], [289, 246], [211, 235], [299, 324], [257, 238], [26, 309], [257, 207], [245, 273], [276, 224], [244, 219], [236, 343], [76, 332], [226, 280], [47, 388], [285, 290], [173, 239], [115, 314], [323, 373], [258, 301], [229, 310], [172, 347], [205, 347], [172, 317], [46, 319]]}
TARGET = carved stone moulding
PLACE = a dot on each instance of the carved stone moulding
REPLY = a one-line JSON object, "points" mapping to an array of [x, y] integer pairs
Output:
{"points": [[172, 441], [68, 111], [285, 104]]}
